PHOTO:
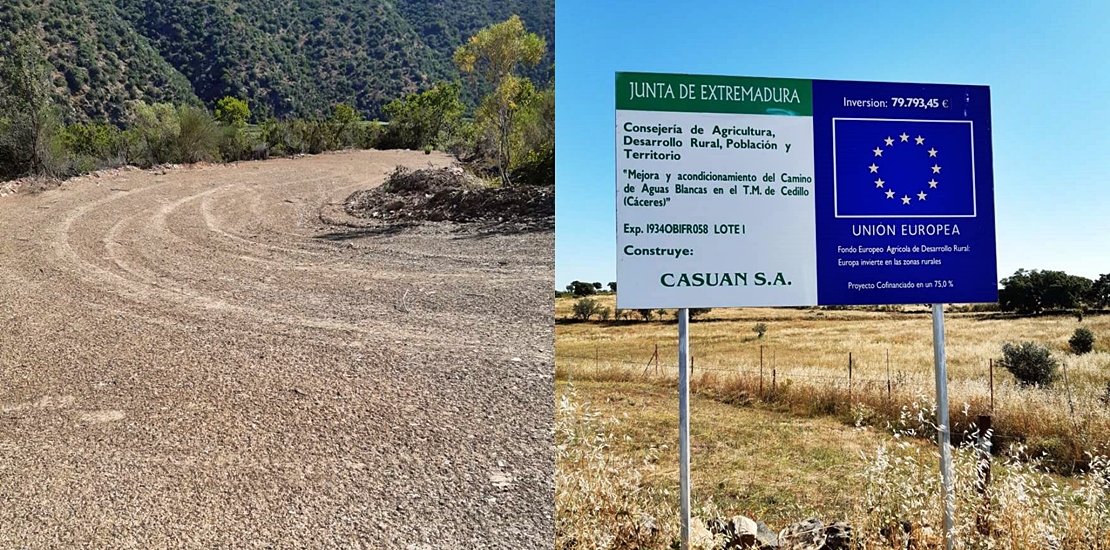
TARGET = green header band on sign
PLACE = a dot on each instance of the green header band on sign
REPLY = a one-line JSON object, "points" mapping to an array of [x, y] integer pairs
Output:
{"points": [[714, 94]]}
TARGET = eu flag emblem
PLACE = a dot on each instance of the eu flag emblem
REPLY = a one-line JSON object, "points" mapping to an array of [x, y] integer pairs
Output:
{"points": [[885, 168]]}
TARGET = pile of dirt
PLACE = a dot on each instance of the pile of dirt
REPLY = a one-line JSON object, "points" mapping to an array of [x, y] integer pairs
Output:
{"points": [[450, 194]]}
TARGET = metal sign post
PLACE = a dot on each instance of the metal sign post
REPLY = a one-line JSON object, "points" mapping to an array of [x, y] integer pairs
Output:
{"points": [[943, 428], [684, 425]]}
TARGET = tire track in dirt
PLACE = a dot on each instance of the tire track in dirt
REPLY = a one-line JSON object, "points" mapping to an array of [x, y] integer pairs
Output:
{"points": [[196, 359]]}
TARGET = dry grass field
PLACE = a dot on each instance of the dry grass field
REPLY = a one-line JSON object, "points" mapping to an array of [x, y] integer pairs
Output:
{"points": [[617, 478], [805, 357]]}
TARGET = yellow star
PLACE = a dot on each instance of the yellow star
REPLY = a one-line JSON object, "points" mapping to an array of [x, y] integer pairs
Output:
{"points": [[906, 199], [879, 182], [921, 196], [889, 141], [920, 140], [932, 184], [874, 168], [936, 169], [904, 137], [878, 152], [932, 152]]}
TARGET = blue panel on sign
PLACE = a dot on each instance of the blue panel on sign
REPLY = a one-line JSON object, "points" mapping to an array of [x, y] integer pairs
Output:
{"points": [[904, 193]]}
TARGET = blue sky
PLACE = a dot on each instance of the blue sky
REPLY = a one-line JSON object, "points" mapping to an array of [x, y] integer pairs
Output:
{"points": [[1045, 62]]}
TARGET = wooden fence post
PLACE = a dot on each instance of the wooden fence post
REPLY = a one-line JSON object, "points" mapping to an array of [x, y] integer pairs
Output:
{"points": [[992, 385], [774, 371], [761, 371], [849, 380], [888, 375], [656, 359]]}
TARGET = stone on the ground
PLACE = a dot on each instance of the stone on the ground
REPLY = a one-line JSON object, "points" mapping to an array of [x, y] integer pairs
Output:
{"points": [[804, 535], [737, 531], [765, 537], [838, 536]]}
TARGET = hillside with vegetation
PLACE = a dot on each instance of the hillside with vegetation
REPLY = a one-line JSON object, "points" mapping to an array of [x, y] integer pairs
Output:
{"points": [[284, 59], [505, 137]]}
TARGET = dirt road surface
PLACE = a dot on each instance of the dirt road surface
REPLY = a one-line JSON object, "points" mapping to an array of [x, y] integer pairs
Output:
{"points": [[209, 358]]}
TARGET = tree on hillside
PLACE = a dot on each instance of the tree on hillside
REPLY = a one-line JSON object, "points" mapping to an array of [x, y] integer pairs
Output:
{"points": [[28, 119], [495, 55], [612, 286], [1030, 292], [232, 111]]}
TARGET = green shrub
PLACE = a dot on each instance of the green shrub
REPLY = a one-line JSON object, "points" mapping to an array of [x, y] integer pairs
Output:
{"points": [[198, 137], [234, 144], [1082, 341], [1029, 362], [585, 308], [280, 138], [696, 312], [646, 314], [604, 313], [536, 167], [99, 141], [315, 135], [427, 118], [370, 135], [760, 329], [343, 125], [156, 128]]}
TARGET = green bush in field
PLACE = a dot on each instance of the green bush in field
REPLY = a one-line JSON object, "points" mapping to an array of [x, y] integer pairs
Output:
{"points": [[604, 313], [585, 308], [1082, 341], [1031, 363], [760, 329]]}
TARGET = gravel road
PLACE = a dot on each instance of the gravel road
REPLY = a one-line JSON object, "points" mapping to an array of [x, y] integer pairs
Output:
{"points": [[218, 357]]}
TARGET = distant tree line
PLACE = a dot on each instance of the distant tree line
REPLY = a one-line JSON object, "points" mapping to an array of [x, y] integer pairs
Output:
{"points": [[510, 137], [1025, 292], [1037, 291]]}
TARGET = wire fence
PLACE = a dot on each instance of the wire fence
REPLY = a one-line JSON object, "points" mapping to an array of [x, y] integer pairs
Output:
{"points": [[895, 392]]}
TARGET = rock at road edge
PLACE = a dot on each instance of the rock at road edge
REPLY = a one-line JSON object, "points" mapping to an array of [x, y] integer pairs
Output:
{"points": [[838, 536], [738, 531], [804, 535], [765, 537]]}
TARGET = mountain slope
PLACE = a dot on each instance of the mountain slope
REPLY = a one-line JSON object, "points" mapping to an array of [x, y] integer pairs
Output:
{"points": [[285, 58], [100, 62]]}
